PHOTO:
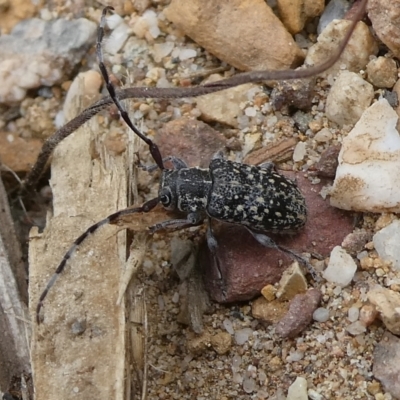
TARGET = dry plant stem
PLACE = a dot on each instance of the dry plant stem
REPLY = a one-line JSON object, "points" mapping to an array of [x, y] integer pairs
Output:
{"points": [[145, 351], [14, 328], [170, 93]]}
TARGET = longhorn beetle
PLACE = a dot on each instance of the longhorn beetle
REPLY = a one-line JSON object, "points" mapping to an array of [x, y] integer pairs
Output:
{"points": [[257, 197]]}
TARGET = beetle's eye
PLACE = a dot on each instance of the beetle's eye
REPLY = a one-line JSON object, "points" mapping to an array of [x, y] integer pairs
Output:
{"points": [[165, 200]]}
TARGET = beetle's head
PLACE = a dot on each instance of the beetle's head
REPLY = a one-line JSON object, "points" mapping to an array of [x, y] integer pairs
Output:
{"points": [[167, 192], [185, 189]]}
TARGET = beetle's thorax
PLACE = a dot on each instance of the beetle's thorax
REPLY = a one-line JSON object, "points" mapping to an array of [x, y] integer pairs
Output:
{"points": [[185, 189]]}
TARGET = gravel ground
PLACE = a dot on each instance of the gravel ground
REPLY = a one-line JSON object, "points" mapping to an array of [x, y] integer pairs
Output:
{"points": [[237, 356]]}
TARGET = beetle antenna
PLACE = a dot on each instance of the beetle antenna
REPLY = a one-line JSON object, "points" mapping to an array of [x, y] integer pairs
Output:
{"points": [[154, 150], [111, 219]]}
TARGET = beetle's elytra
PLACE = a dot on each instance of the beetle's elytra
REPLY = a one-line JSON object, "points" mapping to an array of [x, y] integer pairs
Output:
{"points": [[255, 196]]}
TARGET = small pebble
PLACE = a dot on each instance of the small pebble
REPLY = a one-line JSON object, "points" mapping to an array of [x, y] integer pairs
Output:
{"points": [[387, 243], [147, 25], [78, 327], [327, 164], [249, 385], [221, 342], [321, 314], [242, 335], [161, 50], [314, 395], [353, 314], [175, 298], [185, 54], [299, 152], [269, 292], [292, 283], [226, 29], [382, 72], [348, 98], [117, 38], [228, 325], [298, 390], [387, 303], [300, 314], [250, 111], [368, 314], [324, 135], [386, 366], [341, 267], [236, 362], [295, 356], [356, 328], [356, 55]]}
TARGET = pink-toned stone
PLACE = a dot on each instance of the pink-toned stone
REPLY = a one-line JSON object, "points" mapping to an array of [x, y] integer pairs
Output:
{"points": [[300, 314], [191, 140], [328, 163]]}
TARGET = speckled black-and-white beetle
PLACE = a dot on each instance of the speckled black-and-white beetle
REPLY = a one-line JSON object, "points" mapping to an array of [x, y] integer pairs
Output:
{"points": [[256, 197]]}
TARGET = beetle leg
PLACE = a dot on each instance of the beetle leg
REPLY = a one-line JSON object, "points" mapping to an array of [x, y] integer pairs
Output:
{"points": [[192, 219], [176, 162], [269, 166], [218, 155], [268, 242], [211, 240], [212, 244]]}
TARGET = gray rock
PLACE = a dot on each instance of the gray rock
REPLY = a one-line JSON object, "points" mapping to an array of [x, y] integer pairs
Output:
{"points": [[40, 53], [321, 314], [336, 9]]}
